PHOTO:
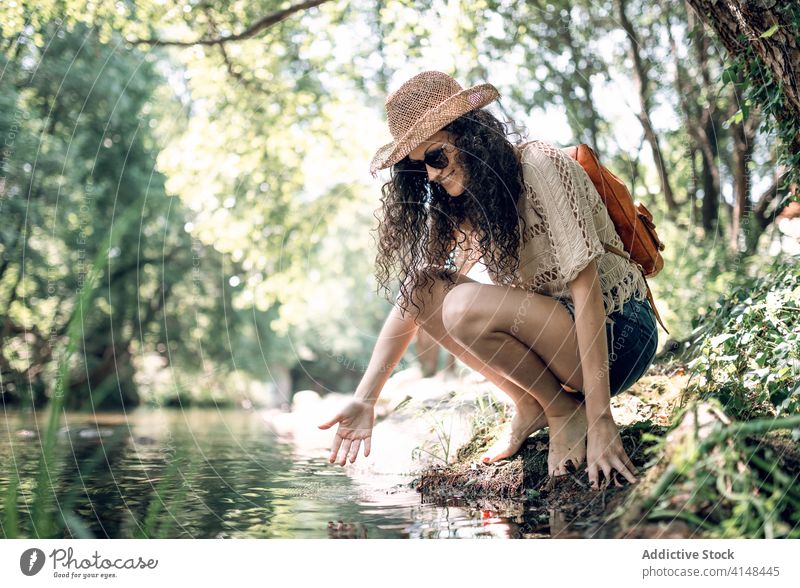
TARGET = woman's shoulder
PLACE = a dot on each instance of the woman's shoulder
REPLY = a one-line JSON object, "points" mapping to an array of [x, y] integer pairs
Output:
{"points": [[543, 161], [542, 152]]}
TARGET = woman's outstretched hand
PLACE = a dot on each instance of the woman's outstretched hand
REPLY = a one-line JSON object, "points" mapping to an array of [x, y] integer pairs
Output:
{"points": [[604, 453], [355, 426]]}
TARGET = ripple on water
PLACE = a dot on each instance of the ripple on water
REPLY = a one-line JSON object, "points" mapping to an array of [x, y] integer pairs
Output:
{"points": [[218, 474]]}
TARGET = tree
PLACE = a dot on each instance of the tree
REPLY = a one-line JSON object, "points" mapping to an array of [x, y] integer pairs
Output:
{"points": [[642, 82], [761, 37], [768, 28]]}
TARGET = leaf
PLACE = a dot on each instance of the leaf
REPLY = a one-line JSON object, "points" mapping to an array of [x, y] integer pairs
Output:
{"points": [[729, 75], [720, 339], [770, 31], [735, 119]]}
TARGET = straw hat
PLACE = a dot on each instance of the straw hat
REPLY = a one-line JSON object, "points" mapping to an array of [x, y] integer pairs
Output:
{"points": [[423, 105]]}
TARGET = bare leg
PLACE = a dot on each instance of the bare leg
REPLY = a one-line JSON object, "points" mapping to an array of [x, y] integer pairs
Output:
{"points": [[427, 353], [529, 416], [529, 339], [450, 363]]}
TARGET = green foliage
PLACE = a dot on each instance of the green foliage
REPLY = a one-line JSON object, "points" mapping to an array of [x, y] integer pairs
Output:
{"points": [[440, 448], [737, 479], [81, 158], [556, 45], [747, 347], [84, 123], [246, 161], [731, 480], [43, 495], [696, 273]]}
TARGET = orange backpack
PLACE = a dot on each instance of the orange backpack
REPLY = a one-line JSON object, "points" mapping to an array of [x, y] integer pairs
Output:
{"points": [[633, 222]]}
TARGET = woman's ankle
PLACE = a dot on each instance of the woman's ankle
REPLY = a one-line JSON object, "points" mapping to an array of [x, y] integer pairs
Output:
{"points": [[528, 403], [564, 406]]}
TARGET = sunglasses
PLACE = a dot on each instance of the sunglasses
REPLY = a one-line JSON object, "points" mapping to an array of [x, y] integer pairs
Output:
{"points": [[436, 158]]}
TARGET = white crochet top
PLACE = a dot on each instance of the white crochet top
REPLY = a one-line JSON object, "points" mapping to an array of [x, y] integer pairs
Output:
{"points": [[567, 224]]}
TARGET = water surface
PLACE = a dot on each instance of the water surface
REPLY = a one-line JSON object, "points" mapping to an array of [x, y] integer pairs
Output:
{"points": [[205, 473]]}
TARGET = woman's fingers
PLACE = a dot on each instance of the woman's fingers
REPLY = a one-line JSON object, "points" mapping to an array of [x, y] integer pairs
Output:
{"points": [[607, 469], [354, 429], [330, 423], [347, 449], [601, 467], [354, 450], [337, 442], [593, 475], [344, 450], [630, 465], [623, 469]]}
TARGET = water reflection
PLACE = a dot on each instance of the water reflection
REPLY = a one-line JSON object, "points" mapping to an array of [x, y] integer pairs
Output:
{"points": [[207, 473]]}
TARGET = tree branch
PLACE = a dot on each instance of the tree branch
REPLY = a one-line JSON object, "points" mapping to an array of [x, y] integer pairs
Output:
{"points": [[251, 31], [234, 73]]}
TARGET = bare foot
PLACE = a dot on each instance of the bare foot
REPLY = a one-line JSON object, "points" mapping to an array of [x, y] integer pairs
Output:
{"points": [[528, 420], [567, 441]]}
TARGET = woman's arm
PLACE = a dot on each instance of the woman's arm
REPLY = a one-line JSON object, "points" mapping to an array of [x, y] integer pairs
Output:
{"points": [[393, 340], [398, 332], [604, 450], [592, 344], [395, 337], [357, 418]]}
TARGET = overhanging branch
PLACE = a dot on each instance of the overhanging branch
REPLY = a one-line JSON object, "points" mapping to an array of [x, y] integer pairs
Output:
{"points": [[251, 31]]}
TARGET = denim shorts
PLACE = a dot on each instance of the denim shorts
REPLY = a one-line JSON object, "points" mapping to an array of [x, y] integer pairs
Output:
{"points": [[632, 341]]}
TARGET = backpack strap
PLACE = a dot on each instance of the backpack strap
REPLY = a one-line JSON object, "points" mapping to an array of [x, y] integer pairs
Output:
{"points": [[626, 255]]}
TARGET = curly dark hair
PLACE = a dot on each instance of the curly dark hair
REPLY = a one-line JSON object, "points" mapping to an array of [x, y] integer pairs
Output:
{"points": [[421, 221]]}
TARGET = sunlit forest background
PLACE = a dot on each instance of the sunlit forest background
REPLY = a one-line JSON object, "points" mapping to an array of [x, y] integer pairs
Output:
{"points": [[186, 213]]}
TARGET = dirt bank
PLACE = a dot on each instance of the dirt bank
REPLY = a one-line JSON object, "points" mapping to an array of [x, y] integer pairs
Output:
{"points": [[679, 475], [566, 507]]}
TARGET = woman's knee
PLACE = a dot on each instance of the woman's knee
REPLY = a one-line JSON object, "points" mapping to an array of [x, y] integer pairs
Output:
{"points": [[429, 294], [461, 315]]}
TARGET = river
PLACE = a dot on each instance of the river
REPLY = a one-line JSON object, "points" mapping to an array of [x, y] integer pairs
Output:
{"points": [[206, 473]]}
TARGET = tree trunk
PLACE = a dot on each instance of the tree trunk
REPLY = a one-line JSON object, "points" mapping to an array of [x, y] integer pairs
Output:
{"points": [[281, 382], [744, 135], [95, 385], [780, 52], [742, 150], [707, 135], [641, 81], [741, 23], [695, 186], [699, 122]]}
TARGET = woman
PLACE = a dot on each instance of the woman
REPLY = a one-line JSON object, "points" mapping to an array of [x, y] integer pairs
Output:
{"points": [[547, 325]]}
